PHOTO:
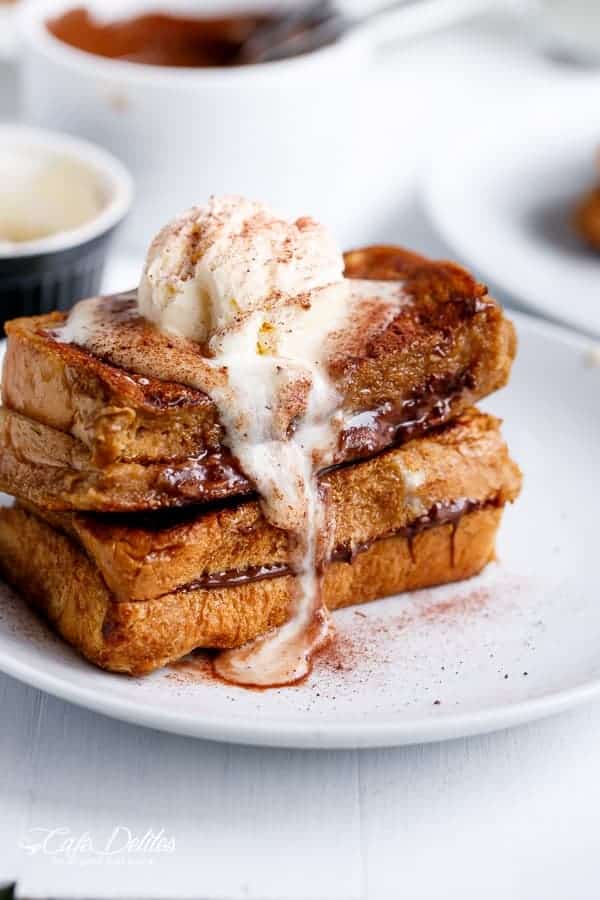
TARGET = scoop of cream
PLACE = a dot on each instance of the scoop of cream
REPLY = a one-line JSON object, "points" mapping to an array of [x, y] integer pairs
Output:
{"points": [[43, 193], [214, 265]]}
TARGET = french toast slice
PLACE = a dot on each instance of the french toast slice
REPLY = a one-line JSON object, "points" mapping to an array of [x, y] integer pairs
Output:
{"points": [[462, 467], [51, 470], [449, 346], [135, 592], [57, 578]]}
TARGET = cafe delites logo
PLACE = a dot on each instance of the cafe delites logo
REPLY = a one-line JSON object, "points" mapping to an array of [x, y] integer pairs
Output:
{"points": [[120, 844]]}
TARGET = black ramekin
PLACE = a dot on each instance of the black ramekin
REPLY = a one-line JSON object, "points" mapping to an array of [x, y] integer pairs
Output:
{"points": [[54, 272]]}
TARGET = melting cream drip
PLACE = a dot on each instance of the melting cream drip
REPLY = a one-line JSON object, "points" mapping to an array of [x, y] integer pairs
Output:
{"points": [[266, 296], [283, 468]]}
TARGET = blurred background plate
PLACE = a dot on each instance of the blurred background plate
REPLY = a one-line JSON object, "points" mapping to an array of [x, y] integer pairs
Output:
{"points": [[502, 197]]}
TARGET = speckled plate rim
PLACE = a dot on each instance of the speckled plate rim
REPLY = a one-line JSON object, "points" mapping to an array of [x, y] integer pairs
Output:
{"points": [[385, 732]]}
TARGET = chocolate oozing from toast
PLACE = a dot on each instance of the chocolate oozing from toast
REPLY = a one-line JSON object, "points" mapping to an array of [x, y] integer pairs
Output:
{"points": [[448, 346]]}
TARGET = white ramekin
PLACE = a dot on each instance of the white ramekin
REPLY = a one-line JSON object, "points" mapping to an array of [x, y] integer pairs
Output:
{"points": [[53, 272]]}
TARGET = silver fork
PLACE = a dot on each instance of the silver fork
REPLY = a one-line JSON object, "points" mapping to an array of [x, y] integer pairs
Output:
{"points": [[320, 22]]}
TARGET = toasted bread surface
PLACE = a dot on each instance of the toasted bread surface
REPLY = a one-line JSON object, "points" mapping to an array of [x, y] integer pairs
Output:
{"points": [[58, 578], [448, 346], [119, 415], [54, 470], [50, 469], [142, 557]]}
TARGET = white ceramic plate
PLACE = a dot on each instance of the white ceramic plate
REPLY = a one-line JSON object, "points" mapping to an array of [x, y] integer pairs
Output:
{"points": [[503, 200], [519, 642]]}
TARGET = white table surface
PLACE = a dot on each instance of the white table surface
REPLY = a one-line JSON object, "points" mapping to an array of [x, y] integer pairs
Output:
{"points": [[515, 814]]}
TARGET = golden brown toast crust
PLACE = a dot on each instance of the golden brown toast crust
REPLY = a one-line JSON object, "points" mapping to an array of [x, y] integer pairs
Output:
{"points": [[446, 349], [146, 556], [50, 469], [56, 577], [117, 414]]}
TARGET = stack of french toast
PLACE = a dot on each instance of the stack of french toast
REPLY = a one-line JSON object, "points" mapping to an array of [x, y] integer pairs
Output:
{"points": [[139, 537]]}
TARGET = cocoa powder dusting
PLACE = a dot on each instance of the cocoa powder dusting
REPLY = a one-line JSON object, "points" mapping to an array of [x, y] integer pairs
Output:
{"points": [[196, 666], [358, 646]]}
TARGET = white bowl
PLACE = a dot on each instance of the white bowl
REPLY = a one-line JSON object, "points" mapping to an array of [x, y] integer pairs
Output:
{"points": [[48, 273], [281, 132], [112, 178]]}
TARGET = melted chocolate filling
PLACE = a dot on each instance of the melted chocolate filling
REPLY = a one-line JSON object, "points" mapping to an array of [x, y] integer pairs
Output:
{"points": [[214, 474], [217, 474], [233, 577], [427, 408], [444, 512], [441, 513]]}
